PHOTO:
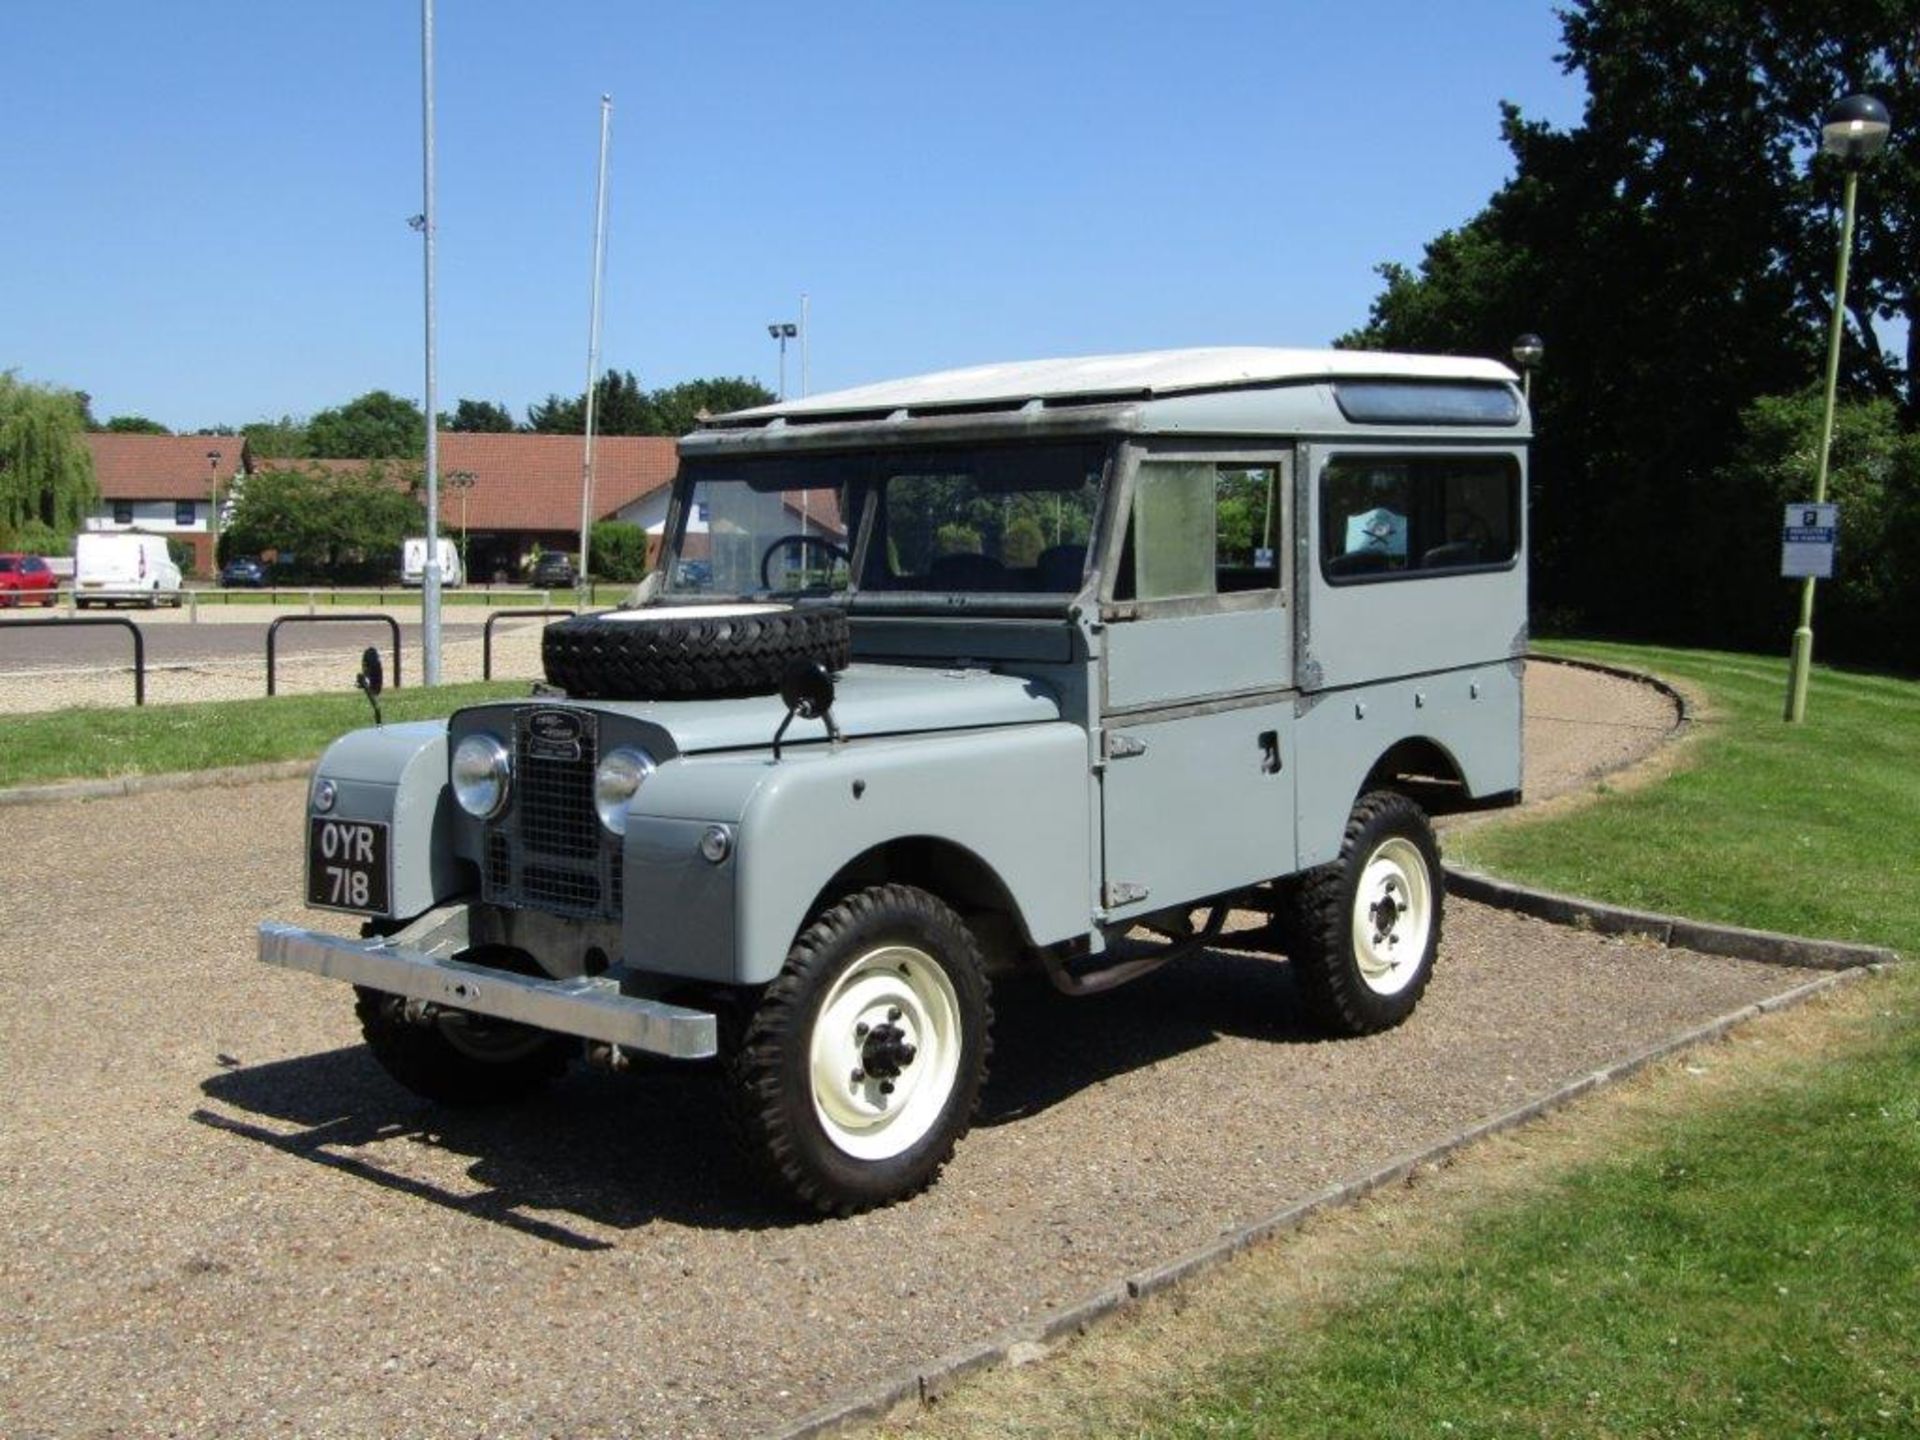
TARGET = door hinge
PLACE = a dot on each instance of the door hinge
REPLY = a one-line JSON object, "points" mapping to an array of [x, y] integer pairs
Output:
{"points": [[1117, 745], [1121, 892]]}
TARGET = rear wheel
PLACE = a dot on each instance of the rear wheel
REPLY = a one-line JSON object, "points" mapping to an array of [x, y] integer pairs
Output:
{"points": [[1364, 930], [860, 1067]]}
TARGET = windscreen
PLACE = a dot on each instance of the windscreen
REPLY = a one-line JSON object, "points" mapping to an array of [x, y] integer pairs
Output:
{"points": [[764, 525], [1004, 520], [988, 519]]}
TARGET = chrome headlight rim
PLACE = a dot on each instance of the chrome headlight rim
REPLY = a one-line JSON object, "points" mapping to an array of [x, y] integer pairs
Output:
{"points": [[481, 775], [616, 780]]}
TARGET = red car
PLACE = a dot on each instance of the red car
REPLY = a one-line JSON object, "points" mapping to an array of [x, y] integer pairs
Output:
{"points": [[24, 576]]}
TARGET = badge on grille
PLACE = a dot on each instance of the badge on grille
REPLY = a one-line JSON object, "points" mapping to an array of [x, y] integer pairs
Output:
{"points": [[554, 735]]}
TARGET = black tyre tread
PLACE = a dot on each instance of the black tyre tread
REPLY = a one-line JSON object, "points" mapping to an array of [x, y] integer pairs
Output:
{"points": [[422, 1059], [763, 1113], [663, 658], [1336, 1000]]}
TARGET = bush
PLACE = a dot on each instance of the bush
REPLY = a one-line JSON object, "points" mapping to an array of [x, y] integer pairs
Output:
{"points": [[181, 553], [619, 551]]}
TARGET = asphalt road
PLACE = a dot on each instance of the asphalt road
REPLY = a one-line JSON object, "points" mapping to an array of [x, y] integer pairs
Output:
{"points": [[218, 1217]]}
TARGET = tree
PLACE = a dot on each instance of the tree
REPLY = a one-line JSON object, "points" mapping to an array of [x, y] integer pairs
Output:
{"points": [[478, 417], [134, 425], [677, 409], [621, 407], [46, 472], [335, 526], [282, 439], [1677, 254], [376, 426]]}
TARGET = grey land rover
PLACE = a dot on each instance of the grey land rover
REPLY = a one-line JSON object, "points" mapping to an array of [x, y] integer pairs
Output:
{"points": [[1048, 665]]}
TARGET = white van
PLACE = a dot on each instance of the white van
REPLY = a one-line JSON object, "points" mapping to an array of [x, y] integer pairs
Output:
{"points": [[119, 566], [413, 562]]}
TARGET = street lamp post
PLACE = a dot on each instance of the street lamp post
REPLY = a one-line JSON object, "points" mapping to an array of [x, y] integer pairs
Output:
{"points": [[1855, 131], [1528, 351], [462, 480], [213, 514], [783, 331]]}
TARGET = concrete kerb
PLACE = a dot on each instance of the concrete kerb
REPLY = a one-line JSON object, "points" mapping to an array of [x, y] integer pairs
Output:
{"points": [[1770, 947], [141, 784], [1020, 1344]]}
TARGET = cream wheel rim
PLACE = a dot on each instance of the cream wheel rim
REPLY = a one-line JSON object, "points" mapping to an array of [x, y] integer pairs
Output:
{"points": [[884, 1052], [1392, 918]]}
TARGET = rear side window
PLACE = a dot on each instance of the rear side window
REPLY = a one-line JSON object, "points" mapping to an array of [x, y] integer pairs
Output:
{"points": [[1385, 517]]}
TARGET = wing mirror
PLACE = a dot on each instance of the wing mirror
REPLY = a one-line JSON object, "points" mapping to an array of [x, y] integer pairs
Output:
{"points": [[371, 680], [806, 689]]}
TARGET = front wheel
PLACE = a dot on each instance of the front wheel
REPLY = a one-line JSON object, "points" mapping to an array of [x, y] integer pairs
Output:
{"points": [[1366, 928], [859, 1069], [460, 1059]]}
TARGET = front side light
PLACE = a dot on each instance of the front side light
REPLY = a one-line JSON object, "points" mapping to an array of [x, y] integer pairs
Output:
{"points": [[620, 775], [324, 795], [481, 770]]}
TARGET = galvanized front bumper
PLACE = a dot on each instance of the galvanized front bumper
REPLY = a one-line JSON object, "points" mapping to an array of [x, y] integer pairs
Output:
{"points": [[414, 964]]}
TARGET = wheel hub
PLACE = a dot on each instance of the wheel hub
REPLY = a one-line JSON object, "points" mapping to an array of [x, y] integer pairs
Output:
{"points": [[886, 1051]]}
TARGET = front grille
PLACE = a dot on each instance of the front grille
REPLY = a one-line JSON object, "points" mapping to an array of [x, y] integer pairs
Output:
{"points": [[548, 851]]}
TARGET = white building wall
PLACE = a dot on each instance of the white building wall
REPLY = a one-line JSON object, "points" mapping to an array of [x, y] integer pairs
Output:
{"points": [[157, 516]]}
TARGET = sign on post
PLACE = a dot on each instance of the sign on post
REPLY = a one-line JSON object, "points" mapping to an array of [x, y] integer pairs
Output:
{"points": [[1807, 541]]}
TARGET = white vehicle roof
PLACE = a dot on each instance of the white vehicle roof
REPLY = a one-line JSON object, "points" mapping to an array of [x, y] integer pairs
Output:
{"points": [[1140, 375]]}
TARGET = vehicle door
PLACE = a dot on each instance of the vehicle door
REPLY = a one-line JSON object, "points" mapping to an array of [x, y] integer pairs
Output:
{"points": [[1195, 759]]}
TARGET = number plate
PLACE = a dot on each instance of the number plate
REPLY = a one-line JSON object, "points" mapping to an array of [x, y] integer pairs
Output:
{"points": [[348, 865]]}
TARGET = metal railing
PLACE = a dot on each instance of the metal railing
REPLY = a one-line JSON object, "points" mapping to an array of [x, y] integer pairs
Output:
{"points": [[139, 644], [364, 617], [486, 634]]}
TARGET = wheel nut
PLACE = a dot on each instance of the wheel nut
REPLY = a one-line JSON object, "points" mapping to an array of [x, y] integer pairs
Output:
{"points": [[860, 1030], [859, 1076], [886, 1087], [894, 1013]]}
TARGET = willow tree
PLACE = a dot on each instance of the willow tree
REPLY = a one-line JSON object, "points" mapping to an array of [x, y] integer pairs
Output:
{"points": [[46, 472]]}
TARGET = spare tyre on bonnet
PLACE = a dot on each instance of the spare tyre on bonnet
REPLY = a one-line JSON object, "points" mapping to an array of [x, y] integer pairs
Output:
{"points": [[666, 652]]}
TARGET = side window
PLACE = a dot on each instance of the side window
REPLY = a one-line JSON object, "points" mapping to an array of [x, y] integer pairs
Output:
{"points": [[1407, 516], [1201, 528]]}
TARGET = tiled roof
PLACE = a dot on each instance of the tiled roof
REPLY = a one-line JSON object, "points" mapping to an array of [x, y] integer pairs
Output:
{"points": [[532, 482], [528, 483], [162, 467]]}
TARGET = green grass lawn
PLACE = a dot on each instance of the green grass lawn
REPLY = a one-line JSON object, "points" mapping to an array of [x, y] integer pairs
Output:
{"points": [[1751, 1270], [88, 743], [1811, 829]]}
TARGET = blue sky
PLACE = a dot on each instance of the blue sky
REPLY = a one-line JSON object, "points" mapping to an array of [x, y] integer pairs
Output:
{"points": [[207, 202]]}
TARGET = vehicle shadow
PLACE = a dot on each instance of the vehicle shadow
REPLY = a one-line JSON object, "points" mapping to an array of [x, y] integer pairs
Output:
{"points": [[621, 1151]]}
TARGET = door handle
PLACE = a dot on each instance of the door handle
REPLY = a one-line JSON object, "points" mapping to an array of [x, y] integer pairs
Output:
{"points": [[1269, 752]]}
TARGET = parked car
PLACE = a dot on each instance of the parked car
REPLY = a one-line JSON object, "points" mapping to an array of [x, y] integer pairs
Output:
{"points": [[1111, 662], [26, 578], [553, 571], [123, 567], [243, 572]]}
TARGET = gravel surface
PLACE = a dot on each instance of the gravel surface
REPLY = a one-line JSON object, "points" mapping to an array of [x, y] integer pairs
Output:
{"points": [[217, 1216], [1582, 724]]}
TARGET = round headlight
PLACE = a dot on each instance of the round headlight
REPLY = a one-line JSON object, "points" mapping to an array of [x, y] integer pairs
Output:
{"points": [[324, 795], [481, 767], [614, 783]]}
